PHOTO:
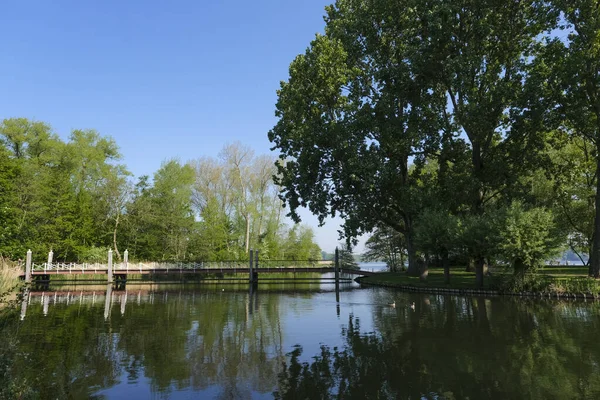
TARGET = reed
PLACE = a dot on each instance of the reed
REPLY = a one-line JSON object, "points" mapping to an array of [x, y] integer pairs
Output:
{"points": [[9, 277]]}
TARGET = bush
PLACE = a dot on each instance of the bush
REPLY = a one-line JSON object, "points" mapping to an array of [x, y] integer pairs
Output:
{"points": [[530, 282]]}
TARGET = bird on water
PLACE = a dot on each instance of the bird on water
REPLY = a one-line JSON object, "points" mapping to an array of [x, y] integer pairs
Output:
{"points": [[412, 306], [392, 304]]}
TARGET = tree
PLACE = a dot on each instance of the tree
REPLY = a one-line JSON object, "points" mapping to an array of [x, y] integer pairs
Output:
{"points": [[387, 245], [161, 221], [576, 65], [8, 213], [351, 115], [529, 237], [346, 258], [437, 234], [236, 192], [171, 200], [300, 246], [383, 87]]}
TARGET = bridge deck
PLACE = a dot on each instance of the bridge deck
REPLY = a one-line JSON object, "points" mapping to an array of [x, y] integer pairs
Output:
{"points": [[187, 271]]}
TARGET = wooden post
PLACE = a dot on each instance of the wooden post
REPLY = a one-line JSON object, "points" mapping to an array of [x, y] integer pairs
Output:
{"points": [[110, 270], [28, 266], [126, 259], [251, 278]]}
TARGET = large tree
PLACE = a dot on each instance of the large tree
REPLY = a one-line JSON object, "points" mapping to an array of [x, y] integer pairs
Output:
{"points": [[576, 63], [352, 115]]}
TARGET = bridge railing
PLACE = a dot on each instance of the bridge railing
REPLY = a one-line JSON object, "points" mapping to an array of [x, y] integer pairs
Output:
{"points": [[58, 266], [145, 266], [125, 265]]}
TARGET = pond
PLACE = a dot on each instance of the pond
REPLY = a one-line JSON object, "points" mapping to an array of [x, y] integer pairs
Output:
{"points": [[295, 341]]}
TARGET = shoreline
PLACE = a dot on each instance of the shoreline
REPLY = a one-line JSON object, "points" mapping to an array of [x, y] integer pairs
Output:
{"points": [[364, 280]]}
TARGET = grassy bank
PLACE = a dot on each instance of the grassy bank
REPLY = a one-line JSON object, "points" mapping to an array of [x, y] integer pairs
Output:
{"points": [[548, 280], [9, 275], [9, 280]]}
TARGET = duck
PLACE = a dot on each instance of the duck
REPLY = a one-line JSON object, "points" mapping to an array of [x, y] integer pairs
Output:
{"points": [[412, 306], [392, 304]]}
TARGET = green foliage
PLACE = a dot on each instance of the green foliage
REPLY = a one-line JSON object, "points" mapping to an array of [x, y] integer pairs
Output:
{"points": [[75, 198], [480, 233], [437, 232], [428, 86], [346, 257], [529, 237], [528, 282], [386, 245], [94, 255]]}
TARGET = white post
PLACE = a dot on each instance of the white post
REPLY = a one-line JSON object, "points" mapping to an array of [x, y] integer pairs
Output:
{"points": [[50, 256], [46, 303], [126, 259], [28, 266], [24, 304], [107, 302], [110, 270]]}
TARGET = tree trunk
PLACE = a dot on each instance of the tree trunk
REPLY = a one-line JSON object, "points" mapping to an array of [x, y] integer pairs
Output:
{"points": [[401, 261], [424, 269], [413, 265], [479, 264], [470, 265], [594, 268], [247, 234], [519, 268], [446, 265], [115, 238]]}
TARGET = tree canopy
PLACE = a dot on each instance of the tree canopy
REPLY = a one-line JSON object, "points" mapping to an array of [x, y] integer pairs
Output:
{"points": [[76, 198], [440, 120]]}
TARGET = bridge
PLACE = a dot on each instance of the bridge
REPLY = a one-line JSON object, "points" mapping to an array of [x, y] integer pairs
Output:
{"points": [[133, 269], [121, 270]]}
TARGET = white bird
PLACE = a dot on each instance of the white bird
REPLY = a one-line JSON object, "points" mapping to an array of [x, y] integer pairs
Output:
{"points": [[412, 306], [393, 304]]}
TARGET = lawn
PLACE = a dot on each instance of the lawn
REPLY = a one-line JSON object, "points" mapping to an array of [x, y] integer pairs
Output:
{"points": [[555, 276]]}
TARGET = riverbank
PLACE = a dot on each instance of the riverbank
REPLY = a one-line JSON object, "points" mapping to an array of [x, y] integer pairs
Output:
{"points": [[551, 281], [9, 280]]}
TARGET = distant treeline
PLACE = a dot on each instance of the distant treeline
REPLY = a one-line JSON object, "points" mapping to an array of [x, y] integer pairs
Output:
{"points": [[78, 199]]}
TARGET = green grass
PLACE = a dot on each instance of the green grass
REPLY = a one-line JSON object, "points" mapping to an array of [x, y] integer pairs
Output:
{"points": [[563, 270], [561, 279], [459, 279]]}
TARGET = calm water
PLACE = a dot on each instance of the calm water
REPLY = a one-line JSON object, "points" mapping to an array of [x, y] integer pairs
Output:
{"points": [[295, 341]]}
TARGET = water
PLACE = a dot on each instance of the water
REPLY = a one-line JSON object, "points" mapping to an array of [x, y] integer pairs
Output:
{"points": [[225, 341]]}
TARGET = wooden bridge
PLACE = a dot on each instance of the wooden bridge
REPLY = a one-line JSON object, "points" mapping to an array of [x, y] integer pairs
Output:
{"points": [[120, 271], [67, 269]]}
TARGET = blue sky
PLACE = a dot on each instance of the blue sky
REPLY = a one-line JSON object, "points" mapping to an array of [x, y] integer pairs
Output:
{"points": [[164, 79]]}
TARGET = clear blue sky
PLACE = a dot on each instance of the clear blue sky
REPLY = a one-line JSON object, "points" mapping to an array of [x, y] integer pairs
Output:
{"points": [[164, 78]]}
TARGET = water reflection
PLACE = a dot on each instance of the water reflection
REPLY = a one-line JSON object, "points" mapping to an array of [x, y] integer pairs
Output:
{"points": [[457, 348], [238, 342]]}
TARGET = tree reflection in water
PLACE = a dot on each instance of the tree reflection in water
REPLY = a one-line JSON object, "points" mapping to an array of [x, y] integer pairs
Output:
{"points": [[233, 345], [456, 348]]}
